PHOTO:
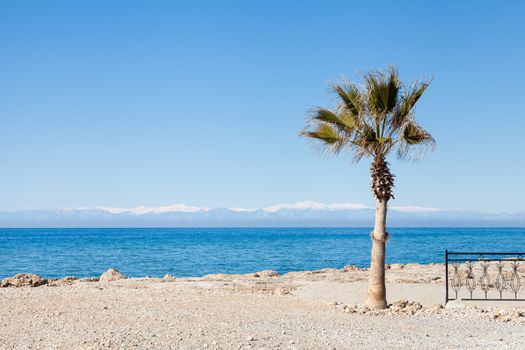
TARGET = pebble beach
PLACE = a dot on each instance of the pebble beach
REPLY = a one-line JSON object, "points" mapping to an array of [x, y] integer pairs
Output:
{"points": [[319, 309]]}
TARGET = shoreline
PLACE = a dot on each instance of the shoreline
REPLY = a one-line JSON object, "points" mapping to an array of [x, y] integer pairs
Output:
{"points": [[346, 268], [409, 267]]}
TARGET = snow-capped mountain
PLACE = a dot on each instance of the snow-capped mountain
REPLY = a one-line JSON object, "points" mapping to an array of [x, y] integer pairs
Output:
{"points": [[301, 214]]}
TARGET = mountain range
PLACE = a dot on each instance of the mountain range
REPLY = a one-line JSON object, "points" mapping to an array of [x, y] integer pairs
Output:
{"points": [[301, 214]]}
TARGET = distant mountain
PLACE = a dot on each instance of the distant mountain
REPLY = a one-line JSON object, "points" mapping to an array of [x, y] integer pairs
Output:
{"points": [[302, 214]]}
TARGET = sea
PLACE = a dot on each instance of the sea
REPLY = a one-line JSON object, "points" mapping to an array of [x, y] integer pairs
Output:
{"points": [[192, 252]]}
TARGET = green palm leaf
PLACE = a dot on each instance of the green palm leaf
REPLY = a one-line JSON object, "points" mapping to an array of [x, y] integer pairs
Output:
{"points": [[382, 91], [414, 141], [412, 95], [351, 98], [324, 133], [375, 119], [343, 122]]}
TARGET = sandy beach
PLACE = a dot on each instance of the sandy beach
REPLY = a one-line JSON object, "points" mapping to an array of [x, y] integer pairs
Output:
{"points": [[299, 310]]}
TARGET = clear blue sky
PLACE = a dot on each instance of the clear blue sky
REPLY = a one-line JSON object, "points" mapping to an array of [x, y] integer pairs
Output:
{"points": [[127, 103]]}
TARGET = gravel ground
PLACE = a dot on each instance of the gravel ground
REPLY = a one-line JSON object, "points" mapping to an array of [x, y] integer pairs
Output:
{"points": [[230, 313]]}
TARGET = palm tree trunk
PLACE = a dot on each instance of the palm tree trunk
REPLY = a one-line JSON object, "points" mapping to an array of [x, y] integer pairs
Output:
{"points": [[376, 296]]}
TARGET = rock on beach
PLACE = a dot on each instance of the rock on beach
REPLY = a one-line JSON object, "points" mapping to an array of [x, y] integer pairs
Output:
{"points": [[169, 277], [112, 275], [266, 273], [24, 280]]}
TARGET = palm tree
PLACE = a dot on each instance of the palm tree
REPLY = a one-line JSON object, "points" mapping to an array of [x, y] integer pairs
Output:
{"points": [[373, 121]]}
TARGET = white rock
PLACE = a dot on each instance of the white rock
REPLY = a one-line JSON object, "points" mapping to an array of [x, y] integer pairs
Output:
{"points": [[111, 275], [169, 277]]}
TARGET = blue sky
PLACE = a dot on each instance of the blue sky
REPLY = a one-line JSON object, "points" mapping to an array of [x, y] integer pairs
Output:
{"points": [[128, 103]]}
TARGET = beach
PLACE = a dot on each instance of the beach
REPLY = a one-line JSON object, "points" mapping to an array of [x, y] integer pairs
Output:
{"points": [[319, 309]]}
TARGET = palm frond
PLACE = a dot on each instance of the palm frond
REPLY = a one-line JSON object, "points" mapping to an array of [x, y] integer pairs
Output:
{"points": [[367, 143], [414, 141], [351, 97], [343, 122], [325, 133], [382, 91], [412, 94]]}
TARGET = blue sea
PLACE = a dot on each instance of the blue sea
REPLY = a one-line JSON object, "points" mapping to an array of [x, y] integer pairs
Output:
{"points": [[138, 252]]}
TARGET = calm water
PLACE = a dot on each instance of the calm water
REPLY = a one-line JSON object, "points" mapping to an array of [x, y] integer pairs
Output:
{"points": [[199, 251]]}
